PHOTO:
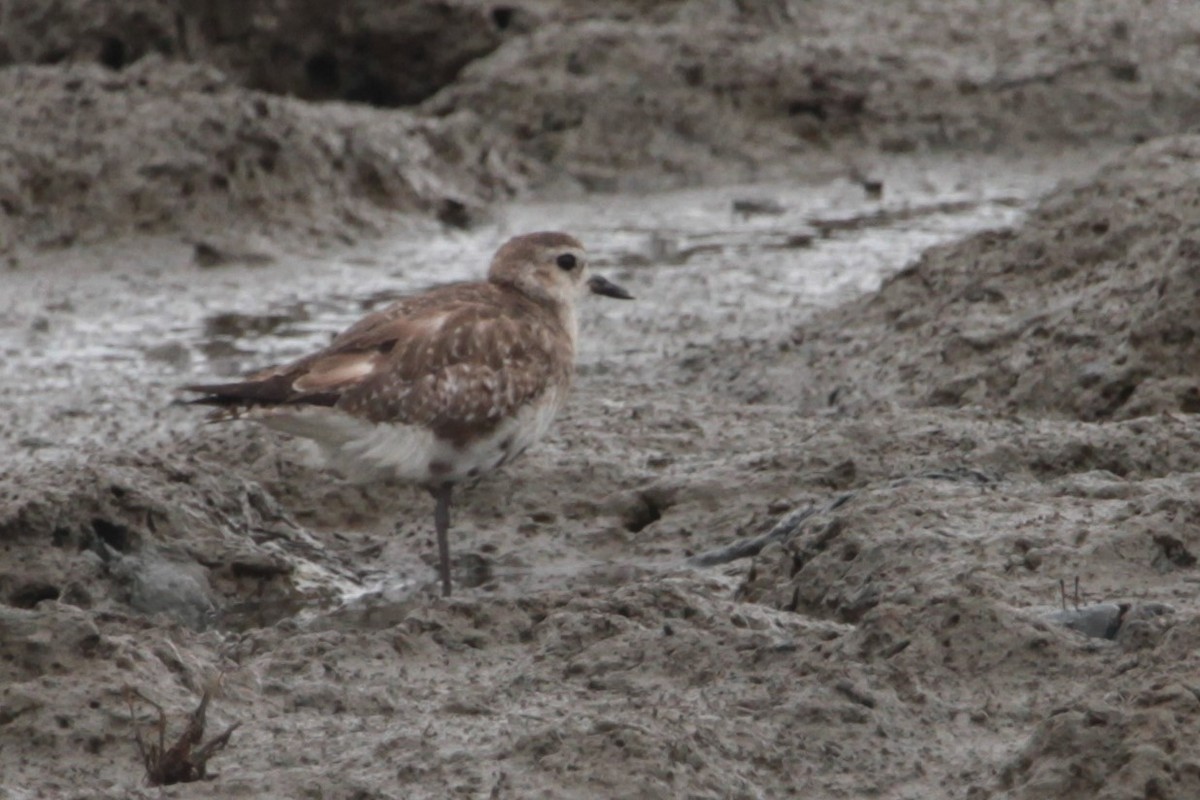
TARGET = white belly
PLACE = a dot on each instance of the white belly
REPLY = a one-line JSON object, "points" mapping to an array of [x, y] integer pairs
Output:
{"points": [[365, 451]]}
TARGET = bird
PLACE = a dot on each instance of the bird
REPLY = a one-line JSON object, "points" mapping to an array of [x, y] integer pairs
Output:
{"points": [[440, 387]]}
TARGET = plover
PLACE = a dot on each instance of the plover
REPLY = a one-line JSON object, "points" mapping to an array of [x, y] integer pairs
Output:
{"points": [[439, 387]]}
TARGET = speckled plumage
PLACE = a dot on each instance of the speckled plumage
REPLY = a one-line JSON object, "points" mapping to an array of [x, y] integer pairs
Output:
{"points": [[440, 386]]}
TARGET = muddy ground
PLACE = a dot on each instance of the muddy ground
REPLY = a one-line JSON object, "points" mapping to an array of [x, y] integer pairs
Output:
{"points": [[887, 485]]}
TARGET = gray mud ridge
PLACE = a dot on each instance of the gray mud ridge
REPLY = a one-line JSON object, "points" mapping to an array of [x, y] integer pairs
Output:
{"points": [[163, 146], [1087, 311], [314, 122]]}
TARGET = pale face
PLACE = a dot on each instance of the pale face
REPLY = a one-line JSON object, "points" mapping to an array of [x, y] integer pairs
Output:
{"points": [[549, 266], [561, 272]]}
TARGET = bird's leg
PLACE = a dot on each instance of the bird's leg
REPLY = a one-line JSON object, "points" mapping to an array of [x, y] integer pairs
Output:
{"points": [[441, 521]]}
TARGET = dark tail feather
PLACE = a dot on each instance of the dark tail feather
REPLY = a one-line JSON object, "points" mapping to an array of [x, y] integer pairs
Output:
{"points": [[273, 391], [211, 397], [241, 393]]}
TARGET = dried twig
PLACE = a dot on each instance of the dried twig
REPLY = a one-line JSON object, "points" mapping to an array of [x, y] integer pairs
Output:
{"points": [[186, 760]]}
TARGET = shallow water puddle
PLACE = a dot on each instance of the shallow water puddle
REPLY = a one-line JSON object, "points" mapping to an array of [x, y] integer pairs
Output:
{"points": [[95, 333]]}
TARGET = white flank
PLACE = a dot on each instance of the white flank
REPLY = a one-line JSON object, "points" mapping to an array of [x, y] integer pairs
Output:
{"points": [[365, 451]]}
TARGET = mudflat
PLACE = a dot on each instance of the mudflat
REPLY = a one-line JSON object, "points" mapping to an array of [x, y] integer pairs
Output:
{"points": [[886, 485]]}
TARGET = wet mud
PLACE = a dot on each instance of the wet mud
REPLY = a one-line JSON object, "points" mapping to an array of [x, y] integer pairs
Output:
{"points": [[886, 484], [743, 562]]}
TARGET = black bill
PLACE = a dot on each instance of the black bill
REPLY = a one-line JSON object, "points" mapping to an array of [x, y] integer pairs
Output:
{"points": [[607, 288]]}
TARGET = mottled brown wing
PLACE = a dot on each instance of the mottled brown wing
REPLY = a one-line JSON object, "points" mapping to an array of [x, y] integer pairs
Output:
{"points": [[454, 365], [317, 379], [321, 377], [479, 366], [374, 325]]}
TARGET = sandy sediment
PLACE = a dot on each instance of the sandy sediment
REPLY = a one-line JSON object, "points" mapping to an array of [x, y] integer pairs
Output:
{"points": [[818, 556]]}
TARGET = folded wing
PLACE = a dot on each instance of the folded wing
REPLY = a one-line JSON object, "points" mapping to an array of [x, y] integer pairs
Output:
{"points": [[450, 369]]}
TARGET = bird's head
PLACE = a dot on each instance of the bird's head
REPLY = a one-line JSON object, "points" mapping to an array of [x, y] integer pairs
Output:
{"points": [[549, 267]]}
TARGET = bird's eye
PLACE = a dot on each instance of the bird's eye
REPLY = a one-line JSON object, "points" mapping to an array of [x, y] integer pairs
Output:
{"points": [[566, 261]]}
